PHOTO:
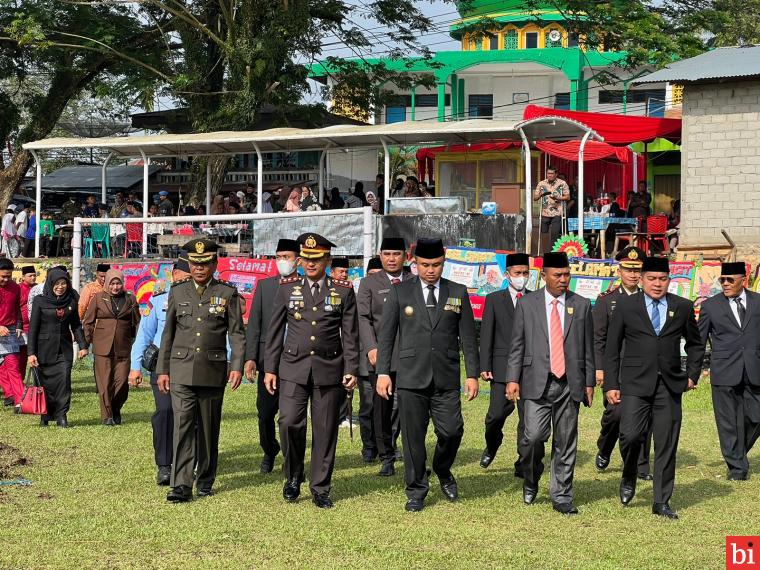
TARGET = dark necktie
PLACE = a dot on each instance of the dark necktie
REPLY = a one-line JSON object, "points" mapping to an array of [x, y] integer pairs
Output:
{"points": [[431, 302], [315, 290], [741, 310], [656, 316]]}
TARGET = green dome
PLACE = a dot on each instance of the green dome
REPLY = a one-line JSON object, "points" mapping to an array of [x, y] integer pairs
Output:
{"points": [[494, 7], [503, 12]]}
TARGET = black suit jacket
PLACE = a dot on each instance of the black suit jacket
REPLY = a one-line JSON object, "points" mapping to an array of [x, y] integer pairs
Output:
{"points": [[646, 354], [496, 334], [258, 320], [428, 351], [603, 310], [48, 334], [735, 349]]}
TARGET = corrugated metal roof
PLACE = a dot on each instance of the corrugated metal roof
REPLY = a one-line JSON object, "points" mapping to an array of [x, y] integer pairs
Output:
{"points": [[720, 63], [89, 177]]}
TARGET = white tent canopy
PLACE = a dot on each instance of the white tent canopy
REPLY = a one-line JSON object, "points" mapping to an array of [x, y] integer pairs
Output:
{"points": [[409, 133]]}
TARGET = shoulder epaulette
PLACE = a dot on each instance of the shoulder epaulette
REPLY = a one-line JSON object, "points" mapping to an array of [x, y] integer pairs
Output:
{"points": [[159, 293], [343, 283], [181, 281], [609, 291], [286, 280]]}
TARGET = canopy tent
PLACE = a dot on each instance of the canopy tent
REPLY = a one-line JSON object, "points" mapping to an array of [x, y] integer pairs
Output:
{"points": [[615, 129], [416, 133]]}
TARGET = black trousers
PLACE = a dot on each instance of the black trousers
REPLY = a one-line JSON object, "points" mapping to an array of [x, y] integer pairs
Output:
{"points": [[55, 378], [366, 414], [267, 406], [386, 419], [325, 409], [661, 413], [610, 433], [499, 409], [162, 421], [416, 408], [551, 227], [28, 250], [196, 448], [737, 416]]}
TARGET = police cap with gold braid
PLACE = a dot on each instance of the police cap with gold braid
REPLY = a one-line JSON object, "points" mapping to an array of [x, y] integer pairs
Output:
{"points": [[631, 257], [201, 250], [314, 246]]}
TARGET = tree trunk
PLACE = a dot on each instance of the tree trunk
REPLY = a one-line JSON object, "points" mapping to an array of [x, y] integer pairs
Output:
{"points": [[12, 175], [196, 194]]}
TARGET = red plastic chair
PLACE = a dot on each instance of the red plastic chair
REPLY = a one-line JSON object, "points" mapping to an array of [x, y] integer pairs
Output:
{"points": [[134, 235], [657, 226]]}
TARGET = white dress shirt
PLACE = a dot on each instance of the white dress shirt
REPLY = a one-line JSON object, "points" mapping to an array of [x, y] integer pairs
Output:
{"points": [[548, 298], [513, 293], [734, 308], [424, 285]]}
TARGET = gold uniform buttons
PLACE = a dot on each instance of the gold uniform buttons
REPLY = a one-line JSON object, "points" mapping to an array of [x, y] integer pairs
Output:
{"points": [[314, 323], [312, 338], [199, 319], [198, 349], [197, 334], [314, 309], [312, 352]]}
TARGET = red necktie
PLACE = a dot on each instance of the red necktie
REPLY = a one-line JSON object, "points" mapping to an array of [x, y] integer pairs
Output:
{"points": [[519, 295], [395, 281], [557, 342]]}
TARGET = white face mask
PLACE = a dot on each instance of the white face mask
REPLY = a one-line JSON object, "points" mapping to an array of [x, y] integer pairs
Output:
{"points": [[518, 283], [285, 267]]}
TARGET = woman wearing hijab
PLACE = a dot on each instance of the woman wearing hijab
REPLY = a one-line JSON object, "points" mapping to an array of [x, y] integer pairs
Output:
{"points": [[336, 202], [53, 322], [308, 202], [110, 324]]}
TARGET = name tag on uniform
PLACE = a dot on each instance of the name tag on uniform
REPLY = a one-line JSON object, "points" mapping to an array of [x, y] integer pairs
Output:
{"points": [[381, 291], [453, 304]]}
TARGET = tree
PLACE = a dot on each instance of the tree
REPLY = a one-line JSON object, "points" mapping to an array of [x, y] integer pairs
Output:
{"points": [[52, 50]]}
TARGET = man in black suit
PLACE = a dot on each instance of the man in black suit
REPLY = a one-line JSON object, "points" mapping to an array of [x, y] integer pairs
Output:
{"points": [[495, 339], [267, 404], [551, 367], [431, 317], [370, 302], [647, 379], [731, 322], [630, 261]]}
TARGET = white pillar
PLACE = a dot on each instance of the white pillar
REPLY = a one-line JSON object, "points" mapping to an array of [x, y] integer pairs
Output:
{"points": [[528, 192], [103, 180], [76, 252], [37, 201], [580, 182], [386, 175], [259, 179], [368, 235], [635, 172], [146, 175], [208, 186]]}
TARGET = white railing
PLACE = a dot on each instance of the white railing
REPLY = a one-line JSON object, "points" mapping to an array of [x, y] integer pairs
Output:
{"points": [[367, 228], [244, 177]]}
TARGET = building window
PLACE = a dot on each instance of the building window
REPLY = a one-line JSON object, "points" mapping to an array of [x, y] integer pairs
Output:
{"points": [[548, 42], [572, 40], [429, 100], [562, 101], [531, 40], [395, 114], [639, 101], [511, 40], [480, 106], [493, 42]]}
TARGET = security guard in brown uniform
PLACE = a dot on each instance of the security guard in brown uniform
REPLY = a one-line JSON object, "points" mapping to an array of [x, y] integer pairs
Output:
{"points": [[630, 261], [201, 314], [318, 359]]}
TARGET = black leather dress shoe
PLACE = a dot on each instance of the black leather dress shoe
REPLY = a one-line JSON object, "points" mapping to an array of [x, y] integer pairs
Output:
{"points": [[180, 494], [109, 422], [267, 464], [737, 477], [602, 462], [387, 469], [117, 419], [627, 490], [449, 488], [8, 402], [565, 508], [486, 459], [414, 505], [62, 423], [529, 494], [291, 490], [645, 477], [368, 457], [205, 491], [322, 501], [164, 475], [664, 510], [44, 421]]}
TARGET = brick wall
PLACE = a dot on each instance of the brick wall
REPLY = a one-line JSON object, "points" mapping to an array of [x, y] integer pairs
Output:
{"points": [[720, 164]]}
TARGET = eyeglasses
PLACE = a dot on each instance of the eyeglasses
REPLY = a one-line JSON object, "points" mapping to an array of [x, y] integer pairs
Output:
{"points": [[729, 280]]}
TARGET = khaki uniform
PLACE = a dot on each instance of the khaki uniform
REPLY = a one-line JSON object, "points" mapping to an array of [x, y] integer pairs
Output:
{"points": [[194, 355]]}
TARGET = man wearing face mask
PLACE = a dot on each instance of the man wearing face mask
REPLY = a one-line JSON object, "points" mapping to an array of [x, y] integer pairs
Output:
{"points": [[495, 339], [267, 405]]}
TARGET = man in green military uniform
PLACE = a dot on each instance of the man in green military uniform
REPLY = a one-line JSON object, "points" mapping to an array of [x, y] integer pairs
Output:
{"points": [[201, 314], [317, 359]]}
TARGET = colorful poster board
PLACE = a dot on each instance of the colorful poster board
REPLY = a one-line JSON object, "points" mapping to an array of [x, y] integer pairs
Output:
{"points": [[245, 274]]}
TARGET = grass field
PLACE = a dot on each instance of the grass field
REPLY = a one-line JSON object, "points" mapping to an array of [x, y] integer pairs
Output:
{"points": [[94, 504]]}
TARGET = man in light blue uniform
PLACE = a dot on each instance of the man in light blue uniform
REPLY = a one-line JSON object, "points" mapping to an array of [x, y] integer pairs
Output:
{"points": [[150, 331]]}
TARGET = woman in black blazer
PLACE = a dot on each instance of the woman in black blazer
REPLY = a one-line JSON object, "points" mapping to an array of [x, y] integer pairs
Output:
{"points": [[54, 319]]}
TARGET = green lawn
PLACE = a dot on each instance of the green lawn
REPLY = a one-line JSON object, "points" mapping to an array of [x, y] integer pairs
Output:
{"points": [[93, 503]]}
